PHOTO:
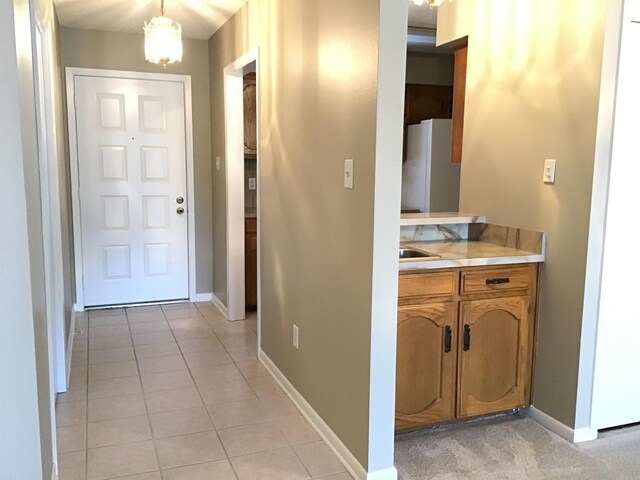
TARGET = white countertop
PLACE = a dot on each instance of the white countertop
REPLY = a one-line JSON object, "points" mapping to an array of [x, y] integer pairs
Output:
{"points": [[444, 218], [464, 253]]}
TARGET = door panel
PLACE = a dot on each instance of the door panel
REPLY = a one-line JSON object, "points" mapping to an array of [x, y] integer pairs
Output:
{"points": [[493, 355], [425, 370], [132, 167]]}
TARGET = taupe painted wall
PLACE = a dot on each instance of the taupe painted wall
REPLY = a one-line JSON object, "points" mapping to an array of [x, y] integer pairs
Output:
{"points": [[320, 71], [532, 93], [122, 51], [64, 181], [25, 416], [320, 91], [231, 41], [429, 68]]}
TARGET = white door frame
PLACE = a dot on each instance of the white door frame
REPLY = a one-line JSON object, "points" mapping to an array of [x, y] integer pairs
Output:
{"points": [[234, 169], [73, 158], [50, 205]]}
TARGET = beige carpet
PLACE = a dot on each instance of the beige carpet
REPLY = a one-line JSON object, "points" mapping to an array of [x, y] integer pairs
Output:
{"points": [[517, 448]]}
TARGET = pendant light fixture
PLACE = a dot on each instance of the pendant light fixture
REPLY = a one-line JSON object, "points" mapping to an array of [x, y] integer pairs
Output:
{"points": [[162, 39], [431, 3]]}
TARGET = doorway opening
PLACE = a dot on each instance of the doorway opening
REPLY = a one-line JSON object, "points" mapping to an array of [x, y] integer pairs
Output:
{"points": [[243, 206]]}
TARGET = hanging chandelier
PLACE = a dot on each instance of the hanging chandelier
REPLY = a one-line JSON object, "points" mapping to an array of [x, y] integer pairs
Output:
{"points": [[431, 3], [162, 39]]}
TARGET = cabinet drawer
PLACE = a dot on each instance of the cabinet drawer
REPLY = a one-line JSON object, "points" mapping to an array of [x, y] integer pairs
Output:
{"points": [[426, 284], [495, 279]]}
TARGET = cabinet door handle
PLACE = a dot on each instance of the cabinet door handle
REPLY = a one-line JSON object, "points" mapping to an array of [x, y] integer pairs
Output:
{"points": [[467, 338], [497, 281], [447, 339]]}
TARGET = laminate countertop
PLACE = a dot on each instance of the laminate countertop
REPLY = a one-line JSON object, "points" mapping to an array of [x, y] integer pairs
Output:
{"points": [[465, 253]]}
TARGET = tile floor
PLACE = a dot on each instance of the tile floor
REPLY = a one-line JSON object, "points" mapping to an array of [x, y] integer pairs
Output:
{"points": [[177, 393]]}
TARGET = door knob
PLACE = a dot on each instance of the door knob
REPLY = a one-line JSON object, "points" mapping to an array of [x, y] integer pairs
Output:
{"points": [[180, 210], [179, 200]]}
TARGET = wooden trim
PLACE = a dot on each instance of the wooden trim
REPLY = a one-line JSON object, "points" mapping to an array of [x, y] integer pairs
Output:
{"points": [[459, 98]]}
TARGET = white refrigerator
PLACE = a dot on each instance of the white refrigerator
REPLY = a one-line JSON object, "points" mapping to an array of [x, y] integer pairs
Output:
{"points": [[430, 182]]}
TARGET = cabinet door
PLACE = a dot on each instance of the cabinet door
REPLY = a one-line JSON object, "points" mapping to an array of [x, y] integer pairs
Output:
{"points": [[250, 129], [494, 358], [426, 365]]}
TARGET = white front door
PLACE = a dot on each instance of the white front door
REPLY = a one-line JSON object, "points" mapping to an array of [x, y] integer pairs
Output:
{"points": [[132, 179]]}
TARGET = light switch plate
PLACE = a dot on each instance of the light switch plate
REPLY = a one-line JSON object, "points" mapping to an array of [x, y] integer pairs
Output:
{"points": [[549, 175], [296, 337], [252, 183], [217, 163], [348, 173]]}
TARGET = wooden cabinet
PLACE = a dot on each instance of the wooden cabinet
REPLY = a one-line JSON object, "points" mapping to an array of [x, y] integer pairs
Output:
{"points": [[423, 102], [250, 264], [250, 118], [464, 343]]}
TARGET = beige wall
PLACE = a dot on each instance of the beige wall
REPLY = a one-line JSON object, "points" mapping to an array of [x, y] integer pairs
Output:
{"points": [[532, 93], [319, 69], [64, 175], [231, 41], [429, 68], [122, 51], [326, 93]]}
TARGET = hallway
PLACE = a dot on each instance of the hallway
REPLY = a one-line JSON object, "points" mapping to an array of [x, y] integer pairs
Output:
{"points": [[177, 393]]}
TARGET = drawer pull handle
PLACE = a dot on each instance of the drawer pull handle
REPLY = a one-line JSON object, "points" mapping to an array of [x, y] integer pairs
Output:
{"points": [[497, 281], [467, 338], [447, 339]]}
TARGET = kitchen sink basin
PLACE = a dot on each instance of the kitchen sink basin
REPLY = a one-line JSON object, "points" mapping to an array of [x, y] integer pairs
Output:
{"points": [[413, 253]]}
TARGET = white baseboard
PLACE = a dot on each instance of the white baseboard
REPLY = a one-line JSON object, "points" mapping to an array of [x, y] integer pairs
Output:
{"points": [[202, 297], [335, 444], [220, 306], [574, 436], [386, 474], [585, 434], [69, 352]]}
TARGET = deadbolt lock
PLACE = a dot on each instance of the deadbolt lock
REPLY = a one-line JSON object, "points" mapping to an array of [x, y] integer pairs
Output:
{"points": [[179, 200]]}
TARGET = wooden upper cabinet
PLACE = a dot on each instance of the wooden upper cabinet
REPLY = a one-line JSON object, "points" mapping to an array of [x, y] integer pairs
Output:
{"points": [[459, 93], [426, 365], [493, 344], [250, 119], [423, 102]]}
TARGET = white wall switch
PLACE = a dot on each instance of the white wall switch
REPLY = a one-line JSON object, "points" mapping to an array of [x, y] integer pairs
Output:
{"points": [[296, 336], [348, 173], [549, 175], [217, 163], [252, 184]]}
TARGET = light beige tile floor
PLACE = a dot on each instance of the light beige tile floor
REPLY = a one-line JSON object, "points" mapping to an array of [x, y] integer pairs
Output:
{"points": [[177, 393]]}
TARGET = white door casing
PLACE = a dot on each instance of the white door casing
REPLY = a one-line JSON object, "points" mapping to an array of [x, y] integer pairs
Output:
{"points": [[131, 135]]}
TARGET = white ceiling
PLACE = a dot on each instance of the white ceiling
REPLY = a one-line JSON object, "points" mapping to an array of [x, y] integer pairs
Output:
{"points": [[199, 18]]}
